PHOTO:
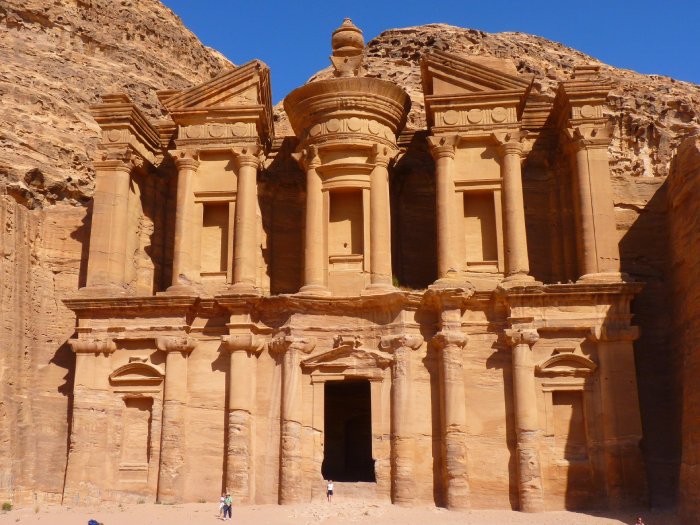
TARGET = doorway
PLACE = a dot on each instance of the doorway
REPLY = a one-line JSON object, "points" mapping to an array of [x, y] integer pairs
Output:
{"points": [[348, 432]]}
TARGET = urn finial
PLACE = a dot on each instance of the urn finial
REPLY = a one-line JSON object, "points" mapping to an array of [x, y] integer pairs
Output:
{"points": [[347, 43]]}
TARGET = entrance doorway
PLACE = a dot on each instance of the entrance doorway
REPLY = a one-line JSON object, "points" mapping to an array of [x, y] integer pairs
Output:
{"points": [[348, 432]]}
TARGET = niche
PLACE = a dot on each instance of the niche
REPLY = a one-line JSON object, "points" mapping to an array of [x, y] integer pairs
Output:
{"points": [[345, 230], [136, 438], [215, 239], [569, 425], [480, 236]]}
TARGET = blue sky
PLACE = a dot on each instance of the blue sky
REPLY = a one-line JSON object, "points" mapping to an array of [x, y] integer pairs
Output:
{"points": [[293, 37]]}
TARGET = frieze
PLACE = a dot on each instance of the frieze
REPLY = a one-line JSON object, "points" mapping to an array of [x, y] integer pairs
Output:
{"points": [[350, 125], [217, 131], [476, 116]]}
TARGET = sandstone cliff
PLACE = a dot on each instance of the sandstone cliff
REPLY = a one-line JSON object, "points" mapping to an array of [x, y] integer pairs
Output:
{"points": [[58, 57]]}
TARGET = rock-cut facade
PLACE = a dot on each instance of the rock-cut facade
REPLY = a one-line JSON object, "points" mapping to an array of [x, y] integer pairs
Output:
{"points": [[396, 310]]}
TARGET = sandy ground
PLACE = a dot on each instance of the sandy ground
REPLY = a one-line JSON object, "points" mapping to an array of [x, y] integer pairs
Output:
{"points": [[337, 513]]}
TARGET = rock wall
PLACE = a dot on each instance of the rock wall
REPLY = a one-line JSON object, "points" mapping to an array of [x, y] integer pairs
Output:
{"points": [[684, 187], [58, 57]]}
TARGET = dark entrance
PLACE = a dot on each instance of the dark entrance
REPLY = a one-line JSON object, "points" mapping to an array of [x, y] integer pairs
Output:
{"points": [[348, 432]]}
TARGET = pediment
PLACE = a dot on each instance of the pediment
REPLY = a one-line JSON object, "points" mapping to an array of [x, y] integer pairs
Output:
{"points": [[136, 374], [566, 364], [445, 74], [245, 85], [348, 357]]}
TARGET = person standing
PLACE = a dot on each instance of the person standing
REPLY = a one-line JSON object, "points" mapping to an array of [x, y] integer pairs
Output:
{"points": [[221, 505], [228, 503], [329, 490]]}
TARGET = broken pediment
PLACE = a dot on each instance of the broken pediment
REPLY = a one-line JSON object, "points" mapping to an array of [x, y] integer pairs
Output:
{"points": [[448, 74], [565, 364], [348, 357], [242, 91]]}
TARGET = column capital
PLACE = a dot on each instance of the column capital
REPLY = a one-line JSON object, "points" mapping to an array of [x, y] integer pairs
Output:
{"points": [[589, 136], [185, 159], [521, 336], [242, 343], [182, 344], [248, 156], [92, 346], [510, 143], [443, 146], [382, 155], [122, 159], [445, 338], [113, 165], [394, 342], [288, 342], [308, 157]]}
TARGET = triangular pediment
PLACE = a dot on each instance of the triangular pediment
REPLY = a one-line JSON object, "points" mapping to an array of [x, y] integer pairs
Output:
{"points": [[246, 85], [347, 357], [445, 74]]}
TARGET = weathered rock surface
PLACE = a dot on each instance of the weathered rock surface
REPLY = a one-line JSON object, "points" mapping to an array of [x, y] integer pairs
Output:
{"points": [[58, 58]]}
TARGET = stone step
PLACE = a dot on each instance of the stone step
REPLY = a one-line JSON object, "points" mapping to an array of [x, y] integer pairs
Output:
{"points": [[344, 490]]}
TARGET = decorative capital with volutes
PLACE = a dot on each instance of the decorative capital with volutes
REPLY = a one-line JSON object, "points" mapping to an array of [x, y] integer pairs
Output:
{"points": [[394, 342], [242, 343], [348, 44], [92, 346], [181, 344], [292, 343], [443, 146], [522, 336], [446, 338]]}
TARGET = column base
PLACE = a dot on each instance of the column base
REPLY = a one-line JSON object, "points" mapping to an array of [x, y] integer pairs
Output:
{"points": [[452, 282], [243, 288], [314, 289], [518, 280], [603, 277], [181, 289], [379, 289]]}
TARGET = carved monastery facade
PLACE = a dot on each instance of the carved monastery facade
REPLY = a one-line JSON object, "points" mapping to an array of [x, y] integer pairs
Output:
{"points": [[432, 316]]}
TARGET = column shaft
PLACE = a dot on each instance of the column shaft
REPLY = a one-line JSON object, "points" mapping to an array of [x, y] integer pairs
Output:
{"points": [[315, 265], [514, 211], [443, 151], [183, 274], [245, 241], [109, 228], [526, 422], [171, 474], [239, 460], [588, 257], [380, 226]]}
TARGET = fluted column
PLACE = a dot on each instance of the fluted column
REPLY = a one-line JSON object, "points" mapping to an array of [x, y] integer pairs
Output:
{"points": [[599, 254], [109, 228], [516, 258], [171, 475], [243, 351], [402, 430], [85, 461], [526, 421], [246, 245], [380, 220], [315, 263], [450, 344], [183, 268], [443, 151], [290, 475]]}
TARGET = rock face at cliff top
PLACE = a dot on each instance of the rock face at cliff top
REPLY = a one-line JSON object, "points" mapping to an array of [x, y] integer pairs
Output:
{"points": [[58, 58]]}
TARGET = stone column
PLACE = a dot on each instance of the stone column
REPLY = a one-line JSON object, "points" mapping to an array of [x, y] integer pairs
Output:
{"points": [[246, 245], [620, 418], [402, 431], [526, 421], [516, 258], [454, 420], [380, 220], [171, 475], [109, 228], [315, 262], [599, 255], [183, 270], [443, 151], [290, 475], [243, 350], [79, 485]]}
